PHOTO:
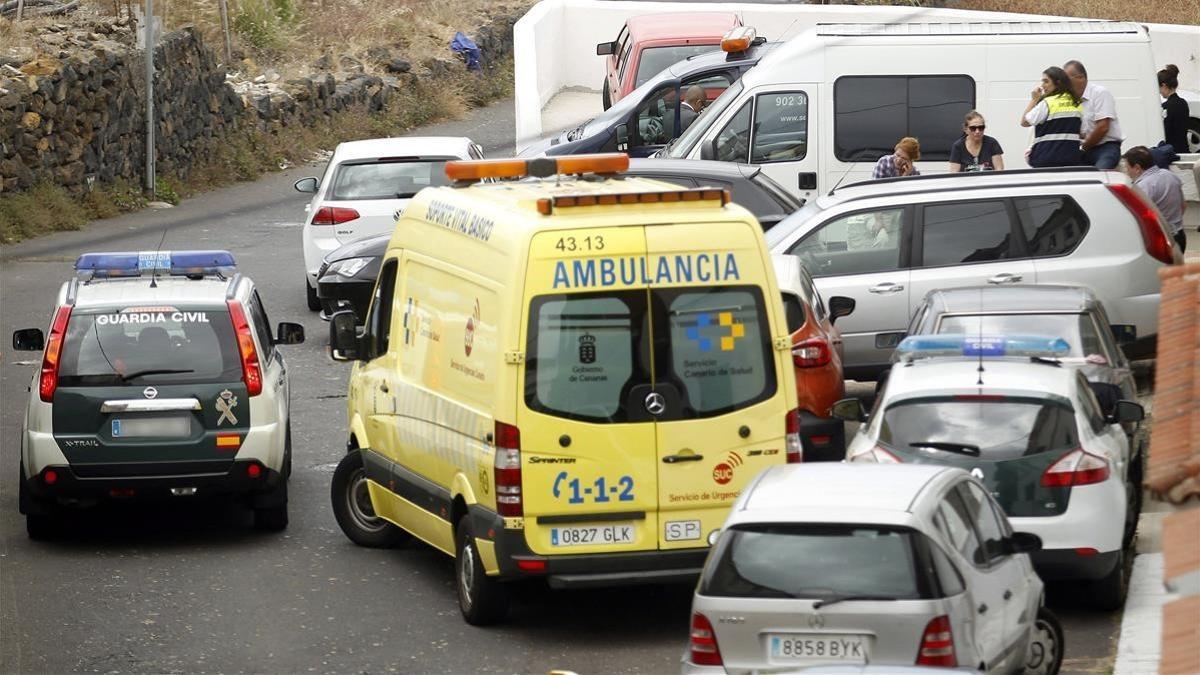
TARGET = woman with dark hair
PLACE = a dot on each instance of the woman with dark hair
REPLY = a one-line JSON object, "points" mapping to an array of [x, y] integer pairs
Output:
{"points": [[1175, 109], [976, 151], [1056, 114]]}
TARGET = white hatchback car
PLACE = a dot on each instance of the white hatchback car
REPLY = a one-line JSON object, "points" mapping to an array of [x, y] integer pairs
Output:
{"points": [[365, 187], [826, 563]]}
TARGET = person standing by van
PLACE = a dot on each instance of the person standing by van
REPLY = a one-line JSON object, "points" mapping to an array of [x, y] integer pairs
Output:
{"points": [[900, 162], [1056, 115], [1175, 109], [976, 151], [1163, 188], [1101, 131]]}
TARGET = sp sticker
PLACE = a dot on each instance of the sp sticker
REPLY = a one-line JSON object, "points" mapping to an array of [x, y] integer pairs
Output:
{"points": [[225, 404]]}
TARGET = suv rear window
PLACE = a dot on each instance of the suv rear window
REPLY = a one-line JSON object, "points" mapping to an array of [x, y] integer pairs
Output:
{"points": [[1000, 428], [115, 347], [386, 180], [814, 561]]}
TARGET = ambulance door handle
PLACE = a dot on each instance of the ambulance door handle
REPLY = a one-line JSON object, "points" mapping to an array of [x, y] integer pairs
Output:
{"points": [[671, 459], [383, 387]]}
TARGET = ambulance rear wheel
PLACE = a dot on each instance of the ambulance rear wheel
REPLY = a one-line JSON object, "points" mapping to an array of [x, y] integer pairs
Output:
{"points": [[481, 599], [353, 510]]}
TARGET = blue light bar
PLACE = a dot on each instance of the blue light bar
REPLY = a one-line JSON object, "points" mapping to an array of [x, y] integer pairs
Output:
{"points": [[138, 263], [958, 344]]}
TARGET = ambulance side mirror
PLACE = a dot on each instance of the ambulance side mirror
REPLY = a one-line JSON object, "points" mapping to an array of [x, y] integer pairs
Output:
{"points": [[344, 341], [29, 340]]}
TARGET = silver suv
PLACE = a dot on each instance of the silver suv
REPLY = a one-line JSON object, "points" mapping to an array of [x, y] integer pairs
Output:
{"points": [[886, 243]]}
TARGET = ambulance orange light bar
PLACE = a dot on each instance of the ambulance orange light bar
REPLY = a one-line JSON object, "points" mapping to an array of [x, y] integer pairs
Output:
{"points": [[542, 167], [738, 39], [546, 205]]}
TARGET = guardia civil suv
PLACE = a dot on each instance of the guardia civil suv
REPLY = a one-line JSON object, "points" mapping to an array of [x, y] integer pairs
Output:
{"points": [[160, 378]]}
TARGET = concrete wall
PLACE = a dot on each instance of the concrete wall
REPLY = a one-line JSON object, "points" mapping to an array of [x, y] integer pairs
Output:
{"points": [[555, 41]]}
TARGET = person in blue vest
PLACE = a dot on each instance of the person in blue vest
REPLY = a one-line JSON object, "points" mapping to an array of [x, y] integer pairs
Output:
{"points": [[1055, 112]]}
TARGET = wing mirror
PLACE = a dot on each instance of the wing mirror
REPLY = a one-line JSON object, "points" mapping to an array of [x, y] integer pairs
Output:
{"points": [[606, 48], [1127, 412], [1124, 333], [308, 185], [289, 333], [708, 149], [29, 340], [1023, 542], [345, 342], [849, 410], [839, 306], [622, 137]]}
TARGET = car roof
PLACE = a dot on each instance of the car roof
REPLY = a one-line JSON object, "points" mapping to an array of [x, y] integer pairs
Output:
{"points": [[961, 374], [837, 488], [682, 25], [1020, 298], [137, 290], [693, 168], [971, 180], [407, 146]]}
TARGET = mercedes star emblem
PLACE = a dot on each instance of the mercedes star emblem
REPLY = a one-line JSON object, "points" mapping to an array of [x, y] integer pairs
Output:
{"points": [[150, 392], [816, 621], [655, 403]]}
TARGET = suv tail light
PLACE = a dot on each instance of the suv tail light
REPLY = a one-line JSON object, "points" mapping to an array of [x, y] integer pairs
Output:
{"points": [[877, 454], [811, 353], [937, 644], [251, 372], [791, 439], [508, 471], [334, 215], [703, 642], [1154, 235], [1076, 468], [50, 358]]}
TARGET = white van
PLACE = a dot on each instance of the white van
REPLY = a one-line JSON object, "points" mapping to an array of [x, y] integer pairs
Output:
{"points": [[822, 108]]}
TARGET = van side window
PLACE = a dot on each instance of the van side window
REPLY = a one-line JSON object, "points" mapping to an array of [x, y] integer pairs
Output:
{"points": [[871, 113], [379, 317], [1052, 225], [733, 143], [858, 243], [780, 127], [966, 232]]}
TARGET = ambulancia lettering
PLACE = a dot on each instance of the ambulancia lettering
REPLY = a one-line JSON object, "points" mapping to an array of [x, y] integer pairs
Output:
{"points": [[643, 270]]}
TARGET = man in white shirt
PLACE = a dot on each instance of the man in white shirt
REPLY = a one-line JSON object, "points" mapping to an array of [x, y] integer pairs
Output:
{"points": [[1101, 134]]}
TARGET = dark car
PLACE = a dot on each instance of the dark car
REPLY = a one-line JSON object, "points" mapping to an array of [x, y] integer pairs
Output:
{"points": [[347, 276]]}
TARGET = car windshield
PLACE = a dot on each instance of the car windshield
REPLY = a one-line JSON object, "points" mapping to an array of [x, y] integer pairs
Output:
{"points": [[656, 59], [1077, 329], [999, 427], [385, 179], [145, 345], [813, 561], [681, 146]]}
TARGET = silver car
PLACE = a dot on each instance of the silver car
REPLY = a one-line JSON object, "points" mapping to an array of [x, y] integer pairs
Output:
{"points": [[889, 565]]}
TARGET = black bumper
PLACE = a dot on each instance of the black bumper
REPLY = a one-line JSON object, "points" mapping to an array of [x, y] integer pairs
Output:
{"points": [[823, 439], [1066, 564], [148, 481], [337, 293], [592, 570]]}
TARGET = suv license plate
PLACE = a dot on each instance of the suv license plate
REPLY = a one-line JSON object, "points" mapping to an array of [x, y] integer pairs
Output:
{"points": [[589, 535], [803, 648], [162, 427]]}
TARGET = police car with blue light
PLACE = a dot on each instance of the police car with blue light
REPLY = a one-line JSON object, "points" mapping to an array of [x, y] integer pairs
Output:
{"points": [[1031, 430], [159, 378]]}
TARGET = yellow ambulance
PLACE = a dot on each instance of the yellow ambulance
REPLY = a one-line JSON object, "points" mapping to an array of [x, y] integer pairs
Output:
{"points": [[570, 376]]}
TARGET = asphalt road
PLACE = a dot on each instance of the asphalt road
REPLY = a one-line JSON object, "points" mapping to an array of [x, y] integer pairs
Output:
{"points": [[191, 587]]}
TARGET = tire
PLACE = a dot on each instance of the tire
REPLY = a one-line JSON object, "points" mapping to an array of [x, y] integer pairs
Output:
{"points": [[605, 96], [1045, 654], [272, 518], [40, 521], [352, 507], [1133, 501], [482, 600], [310, 294], [1108, 594]]}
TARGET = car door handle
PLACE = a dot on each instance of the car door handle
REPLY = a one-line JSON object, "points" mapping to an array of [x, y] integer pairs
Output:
{"points": [[671, 459], [1007, 595], [1005, 278], [886, 288], [383, 387]]}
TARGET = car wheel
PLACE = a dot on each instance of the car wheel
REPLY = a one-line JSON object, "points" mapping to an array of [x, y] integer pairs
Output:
{"points": [[1045, 645], [1108, 594], [606, 97], [353, 510], [1133, 501], [481, 599], [41, 523], [273, 518], [310, 294]]}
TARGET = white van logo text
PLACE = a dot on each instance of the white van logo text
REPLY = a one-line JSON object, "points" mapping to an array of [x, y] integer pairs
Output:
{"points": [[634, 270]]}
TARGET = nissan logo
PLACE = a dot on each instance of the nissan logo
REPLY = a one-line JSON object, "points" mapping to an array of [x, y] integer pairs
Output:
{"points": [[655, 403], [150, 392]]}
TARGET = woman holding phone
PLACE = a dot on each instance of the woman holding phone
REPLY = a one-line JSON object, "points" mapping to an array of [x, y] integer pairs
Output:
{"points": [[1056, 114]]}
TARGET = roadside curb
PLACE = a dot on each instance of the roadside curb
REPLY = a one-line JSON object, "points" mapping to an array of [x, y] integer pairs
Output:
{"points": [[1139, 647]]}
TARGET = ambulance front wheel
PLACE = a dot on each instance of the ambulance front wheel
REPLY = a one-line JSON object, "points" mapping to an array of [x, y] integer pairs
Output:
{"points": [[483, 600], [353, 510]]}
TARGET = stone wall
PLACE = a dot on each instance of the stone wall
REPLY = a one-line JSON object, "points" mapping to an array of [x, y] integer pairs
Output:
{"points": [[78, 117]]}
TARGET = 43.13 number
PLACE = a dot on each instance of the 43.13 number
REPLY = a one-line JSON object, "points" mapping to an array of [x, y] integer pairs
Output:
{"points": [[572, 244]]}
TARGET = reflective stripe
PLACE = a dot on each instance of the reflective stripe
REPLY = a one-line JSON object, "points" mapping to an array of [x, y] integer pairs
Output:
{"points": [[1065, 115], [1057, 137]]}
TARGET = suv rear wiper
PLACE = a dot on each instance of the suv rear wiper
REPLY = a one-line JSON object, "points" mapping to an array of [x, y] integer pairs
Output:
{"points": [[960, 448], [156, 371], [842, 598]]}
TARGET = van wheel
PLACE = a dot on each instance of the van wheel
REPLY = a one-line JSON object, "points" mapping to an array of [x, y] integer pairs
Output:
{"points": [[353, 510], [310, 294], [1045, 645], [1108, 594], [605, 96], [483, 600]]}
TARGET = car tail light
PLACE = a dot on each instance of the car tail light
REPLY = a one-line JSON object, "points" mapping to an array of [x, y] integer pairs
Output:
{"points": [[703, 647], [811, 353], [937, 644], [1076, 468], [877, 454], [334, 215], [1154, 235], [508, 471], [251, 372], [791, 438], [50, 357]]}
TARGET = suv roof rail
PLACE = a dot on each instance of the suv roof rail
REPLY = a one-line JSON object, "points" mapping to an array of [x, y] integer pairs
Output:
{"points": [[231, 288], [968, 175]]}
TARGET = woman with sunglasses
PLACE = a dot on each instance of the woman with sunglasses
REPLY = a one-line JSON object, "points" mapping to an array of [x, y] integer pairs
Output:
{"points": [[975, 151]]}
